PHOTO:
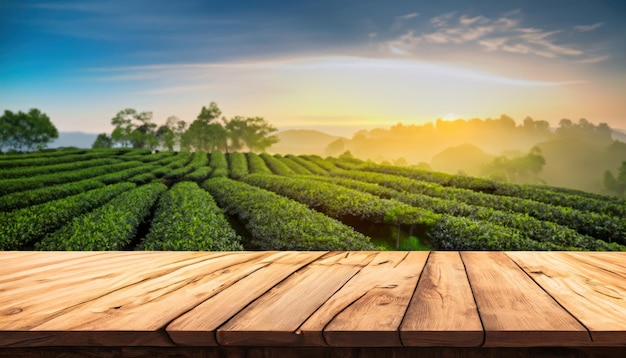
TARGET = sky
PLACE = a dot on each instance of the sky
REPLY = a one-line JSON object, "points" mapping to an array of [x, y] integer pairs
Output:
{"points": [[334, 65]]}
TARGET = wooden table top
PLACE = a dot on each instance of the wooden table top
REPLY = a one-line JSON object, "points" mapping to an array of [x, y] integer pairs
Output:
{"points": [[337, 299]]}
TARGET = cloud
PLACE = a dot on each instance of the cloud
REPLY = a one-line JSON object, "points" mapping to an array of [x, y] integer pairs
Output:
{"points": [[85, 6], [441, 20], [595, 59], [585, 28], [407, 16], [466, 21], [399, 21], [504, 34]]}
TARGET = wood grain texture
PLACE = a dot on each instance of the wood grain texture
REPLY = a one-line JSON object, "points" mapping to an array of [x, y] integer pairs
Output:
{"points": [[197, 327], [275, 317], [591, 289], [371, 276], [327, 301], [368, 310], [515, 311], [34, 299], [442, 311], [142, 299]]}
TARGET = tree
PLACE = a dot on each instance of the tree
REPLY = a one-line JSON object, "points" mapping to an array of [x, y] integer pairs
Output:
{"points": [[335, 147], [133, 128], [102, 141], [204, 134], [616, 185], [209, 114], [169, 134], [524, 169], [253, 132], [26, 131]]}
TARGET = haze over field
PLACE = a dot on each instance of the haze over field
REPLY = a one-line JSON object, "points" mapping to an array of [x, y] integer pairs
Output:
{"points": [[329, 65]]}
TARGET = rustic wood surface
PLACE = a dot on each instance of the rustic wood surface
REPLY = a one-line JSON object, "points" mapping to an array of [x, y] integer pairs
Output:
{"points": [[312, 299]]}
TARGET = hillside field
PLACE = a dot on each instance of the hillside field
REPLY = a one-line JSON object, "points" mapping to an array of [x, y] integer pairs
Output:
{"points": [[125, 199]]}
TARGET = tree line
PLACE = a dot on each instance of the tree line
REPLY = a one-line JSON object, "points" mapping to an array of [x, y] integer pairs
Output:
{"points": [[208, 132], [26, 131]]}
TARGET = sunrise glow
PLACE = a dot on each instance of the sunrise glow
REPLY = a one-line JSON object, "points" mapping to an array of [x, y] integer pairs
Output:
{"points": [[374, 66]]}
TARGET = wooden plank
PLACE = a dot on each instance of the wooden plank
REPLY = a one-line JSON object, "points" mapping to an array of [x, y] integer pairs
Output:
{"points": [[611, 262], [442, 311], [274, 318], [515, 311], [368, 310], [30, 301], [198, 326], [592, 290], [139, 303], [152, 303], [373, 320], [16, 263]]}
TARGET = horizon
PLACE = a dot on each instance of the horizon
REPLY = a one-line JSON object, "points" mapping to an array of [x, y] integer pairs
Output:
{"points": [[334, 67]]}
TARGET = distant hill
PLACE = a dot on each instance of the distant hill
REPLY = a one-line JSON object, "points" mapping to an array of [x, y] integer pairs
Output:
{"points": [[302, 141], [466, 158], [74, 139]]}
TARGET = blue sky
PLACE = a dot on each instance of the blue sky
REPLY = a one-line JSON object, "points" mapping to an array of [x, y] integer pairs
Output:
{"points": [[331, 65]]}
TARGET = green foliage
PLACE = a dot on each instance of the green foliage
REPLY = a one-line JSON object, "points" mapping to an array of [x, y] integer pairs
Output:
{"points": [[200, 174], [340, 202], [29, 160], [46, 190], [278, 223], [102, 141], [253, 133], [20, 227], [26, 131], [110, 227], [238, 165], [276, 166], [454, 233], [187, 218], [25, 172], [293, 165], [219, 164], [199, 159], [518, 170], [134, 128], [616, 185], [309, 165], [320, 162], [172, 163], [8, 186], [555, 237], [205, 136], [576, 199], [598, 225], [257, 164], [37, 196]]}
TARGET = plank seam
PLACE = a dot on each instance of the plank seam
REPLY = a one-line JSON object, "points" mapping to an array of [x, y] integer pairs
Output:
{"points": [[337, 290], [482, 344], [351, 303], [164, 328], [261, 295], [61, 312], [554, 299], [411, 299]]}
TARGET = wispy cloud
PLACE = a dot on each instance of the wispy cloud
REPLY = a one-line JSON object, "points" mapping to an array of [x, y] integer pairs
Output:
{"points": [[399, 21], [407, 16], [84, 6], [585, 28], [504, 34], [595, 59]]}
